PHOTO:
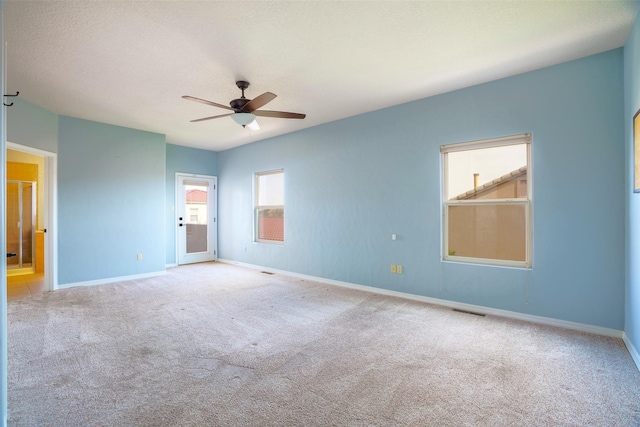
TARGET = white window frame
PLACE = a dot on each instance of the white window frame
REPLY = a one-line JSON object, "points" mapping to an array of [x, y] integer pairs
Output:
{"points": [[527, 203], [257, 207]]}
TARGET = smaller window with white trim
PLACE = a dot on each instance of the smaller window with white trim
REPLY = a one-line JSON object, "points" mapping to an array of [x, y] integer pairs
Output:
{"points": [[269, 206], [487, 187]]}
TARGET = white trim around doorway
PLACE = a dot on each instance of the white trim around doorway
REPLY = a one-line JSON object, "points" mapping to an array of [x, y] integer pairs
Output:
{"points": [[50, 212]]}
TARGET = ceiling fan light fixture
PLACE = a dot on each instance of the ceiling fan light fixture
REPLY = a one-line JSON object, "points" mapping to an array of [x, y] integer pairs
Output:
{"points": [[243, 119], [254, 125]]}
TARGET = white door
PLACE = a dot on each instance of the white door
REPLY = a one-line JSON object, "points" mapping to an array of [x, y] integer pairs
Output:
{"points": [[196, 211]]}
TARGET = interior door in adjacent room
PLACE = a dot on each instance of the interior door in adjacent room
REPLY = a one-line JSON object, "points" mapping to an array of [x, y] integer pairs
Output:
{"points": [[196, 211]]}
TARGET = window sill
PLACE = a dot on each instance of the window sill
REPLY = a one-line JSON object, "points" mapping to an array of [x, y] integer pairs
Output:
{"points": [[518, 265]]}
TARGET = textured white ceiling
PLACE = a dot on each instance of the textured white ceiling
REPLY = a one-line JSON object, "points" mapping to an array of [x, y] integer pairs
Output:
{"points": [[129, 62]]}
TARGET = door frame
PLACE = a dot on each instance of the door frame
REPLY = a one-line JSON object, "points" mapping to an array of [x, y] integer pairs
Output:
{"points": [[214, 199], [50, 212]]}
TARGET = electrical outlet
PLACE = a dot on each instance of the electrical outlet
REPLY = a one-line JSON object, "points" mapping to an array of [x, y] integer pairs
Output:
{"points": [[139, 257], [399, 269], [393, 268]]}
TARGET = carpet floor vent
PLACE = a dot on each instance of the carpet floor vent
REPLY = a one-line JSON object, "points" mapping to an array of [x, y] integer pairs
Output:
{"points": [[266, 272], [469, 312]]}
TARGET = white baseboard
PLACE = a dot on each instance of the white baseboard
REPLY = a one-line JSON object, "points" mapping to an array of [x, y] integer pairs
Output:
{"points": [[112, 280], [632, 350], [598, 330]]}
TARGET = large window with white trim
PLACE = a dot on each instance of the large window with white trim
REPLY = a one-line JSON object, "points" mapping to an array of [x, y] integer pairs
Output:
{"points": [[487, 188], [269, 206]]}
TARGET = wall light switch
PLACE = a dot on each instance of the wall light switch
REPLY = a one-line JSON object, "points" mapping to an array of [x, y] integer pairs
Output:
{"points": [[393, 237], [139, 257], [393, 268], [399, 269]]}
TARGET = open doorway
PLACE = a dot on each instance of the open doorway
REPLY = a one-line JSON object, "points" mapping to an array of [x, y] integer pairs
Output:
{"points": [[30, 216]]}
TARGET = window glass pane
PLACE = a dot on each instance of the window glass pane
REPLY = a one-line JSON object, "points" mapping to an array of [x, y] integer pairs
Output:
{"points": [[501, 173], [270, 206], [271, 189], [271, 224], [488, 231]]}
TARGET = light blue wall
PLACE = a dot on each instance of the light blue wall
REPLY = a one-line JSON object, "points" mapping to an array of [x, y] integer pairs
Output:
{"points": [[186, 160], [632, 104], [350, 184], [111, 201], [31, 125], [34, 126]]}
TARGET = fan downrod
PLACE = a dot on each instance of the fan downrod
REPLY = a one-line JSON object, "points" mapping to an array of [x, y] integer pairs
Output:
{"points": [[242, 85], [238, 103]]}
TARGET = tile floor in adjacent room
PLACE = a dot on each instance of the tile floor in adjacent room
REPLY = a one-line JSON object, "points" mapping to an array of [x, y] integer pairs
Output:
{"points": [[24, 285]]}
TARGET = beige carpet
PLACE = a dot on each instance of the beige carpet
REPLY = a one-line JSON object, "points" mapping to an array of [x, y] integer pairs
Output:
{"points": [[215, 344]]}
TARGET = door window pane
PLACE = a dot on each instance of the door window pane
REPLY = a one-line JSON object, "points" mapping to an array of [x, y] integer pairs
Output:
{"points": [[196, 200]]}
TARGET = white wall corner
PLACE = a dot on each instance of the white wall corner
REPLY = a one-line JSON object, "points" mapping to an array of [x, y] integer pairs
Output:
{"points": [[632, 350]]}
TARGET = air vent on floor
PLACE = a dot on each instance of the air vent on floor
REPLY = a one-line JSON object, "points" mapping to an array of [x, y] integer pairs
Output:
{"points": [[266, 272], [469, 312]]}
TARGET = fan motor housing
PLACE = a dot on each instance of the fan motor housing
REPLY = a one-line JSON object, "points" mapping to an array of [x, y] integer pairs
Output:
{"points": [[239, 103]]}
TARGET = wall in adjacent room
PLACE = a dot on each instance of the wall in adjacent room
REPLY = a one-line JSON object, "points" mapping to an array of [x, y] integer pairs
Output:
{"points": [[350, 184], [632, 105], [111, 201], [184, 160]]}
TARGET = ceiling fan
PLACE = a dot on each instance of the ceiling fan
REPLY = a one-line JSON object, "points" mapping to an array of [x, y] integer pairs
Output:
{"points": [[245, 110]]}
